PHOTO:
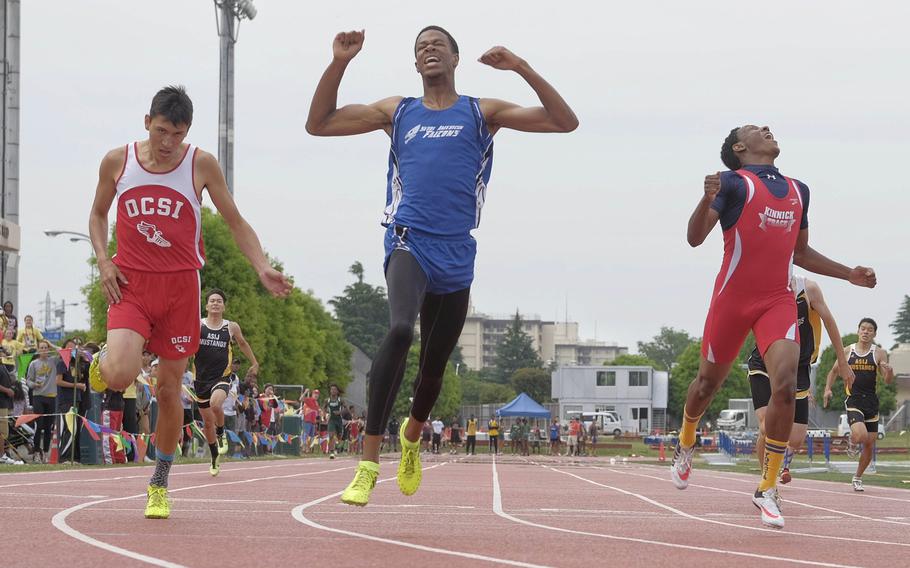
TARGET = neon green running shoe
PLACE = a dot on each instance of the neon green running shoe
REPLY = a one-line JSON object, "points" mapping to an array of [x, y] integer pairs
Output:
{"points": [[94, 372], [409, 472], [157, 506], [358, 492], [222, 445], [215, 469]]}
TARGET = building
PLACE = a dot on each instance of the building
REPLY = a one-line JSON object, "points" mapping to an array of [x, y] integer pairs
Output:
{"points": [[555, 342], [638, 394], [900, 360]]}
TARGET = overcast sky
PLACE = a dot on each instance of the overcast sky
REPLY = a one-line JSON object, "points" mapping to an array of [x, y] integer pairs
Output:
{"points": [[594, 220]]}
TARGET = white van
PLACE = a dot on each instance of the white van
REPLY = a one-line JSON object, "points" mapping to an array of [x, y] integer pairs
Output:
{"points": [[608, 421], [843, 427]]}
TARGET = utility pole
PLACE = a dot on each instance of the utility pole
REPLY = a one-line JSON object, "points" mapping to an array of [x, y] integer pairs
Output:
{"points": [[228, 14], [9, 150]]}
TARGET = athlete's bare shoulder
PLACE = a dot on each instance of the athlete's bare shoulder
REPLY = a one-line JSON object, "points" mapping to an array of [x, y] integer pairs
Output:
{"points": [[205, 165], [113, 162]]}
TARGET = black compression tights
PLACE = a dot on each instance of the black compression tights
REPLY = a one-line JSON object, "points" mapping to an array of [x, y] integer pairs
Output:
{"points": [[441, 320]]}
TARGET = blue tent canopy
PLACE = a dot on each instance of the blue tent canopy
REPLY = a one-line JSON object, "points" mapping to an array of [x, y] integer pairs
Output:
{"points": [[524, 405]]}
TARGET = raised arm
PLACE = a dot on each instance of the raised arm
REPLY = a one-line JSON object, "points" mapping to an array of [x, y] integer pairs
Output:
{"points": [[110, 276], [704, 217], [212, 178], [817, 303], [244, 346], [554, 116], [325, 119], [813, 261]]}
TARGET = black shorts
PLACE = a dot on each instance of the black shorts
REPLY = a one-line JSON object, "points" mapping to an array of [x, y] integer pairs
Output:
{"points": [[761, 395], [205, 388], [760, 385], [456, 438], [335, 427], [863, 408]]}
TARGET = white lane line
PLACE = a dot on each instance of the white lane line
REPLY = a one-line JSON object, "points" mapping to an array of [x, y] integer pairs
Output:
{"points": [[59, 520], [714, 521], [788, 500], [298, 514], [743, 478], [30, 495], [497, 508], [145, 474]]}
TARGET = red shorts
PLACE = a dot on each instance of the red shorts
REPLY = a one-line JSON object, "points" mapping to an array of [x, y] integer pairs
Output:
{"points": [[731, 316], [163, 308]]}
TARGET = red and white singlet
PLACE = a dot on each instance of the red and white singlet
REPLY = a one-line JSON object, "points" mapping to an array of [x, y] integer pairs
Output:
{"points": [[159, 223]]}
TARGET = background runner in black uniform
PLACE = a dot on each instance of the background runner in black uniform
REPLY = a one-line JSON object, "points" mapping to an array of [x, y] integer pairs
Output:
{"points": [[865, 361], [811, 312], [213, 370]]}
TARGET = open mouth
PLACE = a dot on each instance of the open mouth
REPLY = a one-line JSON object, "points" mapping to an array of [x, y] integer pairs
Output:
{"points": [[430, 59]]}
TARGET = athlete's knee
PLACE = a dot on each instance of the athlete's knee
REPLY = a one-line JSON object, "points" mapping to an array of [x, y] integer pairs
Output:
{"points": [[705, 385], [120, 372], [168, 394], [401, 333]]}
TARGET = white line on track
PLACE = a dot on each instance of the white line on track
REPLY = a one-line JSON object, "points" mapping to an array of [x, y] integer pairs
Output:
{"points": [[788, 500], [297, 513], [145, 473], [53, 495], [850, 494], [714, 521], [59, 520], [497, 508]]}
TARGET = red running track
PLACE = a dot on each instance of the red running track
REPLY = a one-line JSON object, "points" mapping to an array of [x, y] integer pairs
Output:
{"points": [[469, 511]]}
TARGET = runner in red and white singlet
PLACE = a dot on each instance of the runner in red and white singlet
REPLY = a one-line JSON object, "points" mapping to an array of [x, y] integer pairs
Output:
{"points": [[152, 283], [766, 230]]}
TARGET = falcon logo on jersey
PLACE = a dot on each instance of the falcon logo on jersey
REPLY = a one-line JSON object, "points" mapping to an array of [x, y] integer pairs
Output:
{"points": [[411, 134], [776, 219], [445, 131], [152, 234]]}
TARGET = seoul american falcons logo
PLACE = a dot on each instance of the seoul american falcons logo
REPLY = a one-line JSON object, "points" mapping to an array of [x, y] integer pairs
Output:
{"points": [[152, 234]]}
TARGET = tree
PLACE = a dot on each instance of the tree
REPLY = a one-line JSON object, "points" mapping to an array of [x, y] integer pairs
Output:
{"points": [[666, 346], [634, 360], [363, 311], [535, 382], [901, 323], [515, 352], [887, 394], [684, 372], [449, 402], [477, 390], [295, 339]]}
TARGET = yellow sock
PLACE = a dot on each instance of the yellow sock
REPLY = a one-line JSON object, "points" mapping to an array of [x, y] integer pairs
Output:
{"points": [[774, 457], [687, 436]]}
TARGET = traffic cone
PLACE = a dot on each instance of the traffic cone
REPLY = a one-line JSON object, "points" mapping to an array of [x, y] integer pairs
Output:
{"points": [[55, 458], [661, 455]]}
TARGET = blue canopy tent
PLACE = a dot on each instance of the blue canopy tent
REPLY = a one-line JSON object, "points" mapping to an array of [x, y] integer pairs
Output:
{"points": [[524, 405]]}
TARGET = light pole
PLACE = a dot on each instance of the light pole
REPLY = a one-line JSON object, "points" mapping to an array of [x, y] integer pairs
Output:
{"points": [[228, 14], [75, 237]]}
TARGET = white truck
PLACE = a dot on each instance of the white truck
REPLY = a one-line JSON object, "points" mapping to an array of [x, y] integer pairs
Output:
{"points": [[608, 421], [739, 415]]}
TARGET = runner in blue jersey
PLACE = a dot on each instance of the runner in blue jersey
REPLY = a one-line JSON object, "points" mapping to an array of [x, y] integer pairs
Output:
{"points": [[439, 166]]}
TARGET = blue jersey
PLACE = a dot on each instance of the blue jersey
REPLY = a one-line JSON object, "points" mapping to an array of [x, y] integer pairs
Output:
{"points": [[439, 167]]}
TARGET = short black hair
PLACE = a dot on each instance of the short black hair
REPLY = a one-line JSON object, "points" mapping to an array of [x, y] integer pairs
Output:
{"points": [[214, 291], [870, 321], [727, 155], [174, 104], [8, 302], [438, 29]]}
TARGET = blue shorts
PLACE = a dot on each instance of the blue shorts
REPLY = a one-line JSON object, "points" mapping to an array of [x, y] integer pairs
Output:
{"points": [[448, 262]]}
